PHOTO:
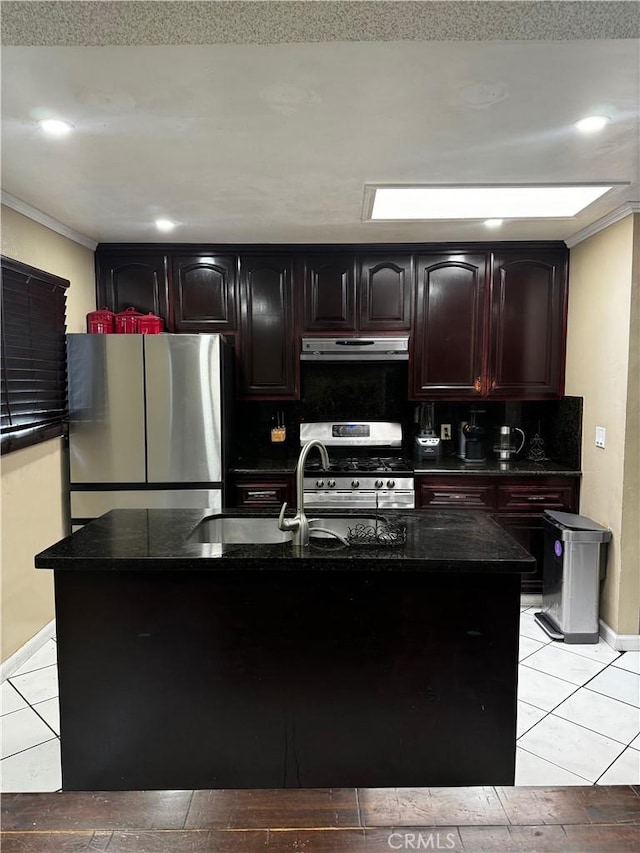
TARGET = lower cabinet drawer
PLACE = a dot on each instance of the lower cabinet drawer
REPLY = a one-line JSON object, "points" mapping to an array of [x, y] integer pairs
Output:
{"points": [[259, 494], [536, 497], [451, 495]]}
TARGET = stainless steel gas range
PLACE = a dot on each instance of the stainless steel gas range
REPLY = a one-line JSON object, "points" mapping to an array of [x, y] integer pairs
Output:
{"points": [[367, 468]]}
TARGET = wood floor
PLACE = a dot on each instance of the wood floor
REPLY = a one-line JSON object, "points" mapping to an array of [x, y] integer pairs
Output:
{"points": [[592, 819]]}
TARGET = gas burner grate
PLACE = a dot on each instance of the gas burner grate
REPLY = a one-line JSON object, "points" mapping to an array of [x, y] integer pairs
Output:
{"points": [[361, 464]]}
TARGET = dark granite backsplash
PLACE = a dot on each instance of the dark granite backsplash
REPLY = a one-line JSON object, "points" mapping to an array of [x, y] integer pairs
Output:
{"points": [[378, 391], [374, 392], [565, 432]]}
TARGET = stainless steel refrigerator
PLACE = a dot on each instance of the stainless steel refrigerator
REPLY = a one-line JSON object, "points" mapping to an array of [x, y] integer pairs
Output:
{"points": [[149, 421]]}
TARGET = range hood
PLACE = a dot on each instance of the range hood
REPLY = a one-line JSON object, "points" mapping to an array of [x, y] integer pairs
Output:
{"points": [[355, 349]]}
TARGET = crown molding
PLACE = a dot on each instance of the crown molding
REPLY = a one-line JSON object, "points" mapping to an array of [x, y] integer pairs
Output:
{"points": [[604, 222], [44, 219]]}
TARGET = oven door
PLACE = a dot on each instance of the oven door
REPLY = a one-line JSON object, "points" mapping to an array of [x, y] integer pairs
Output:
{"points": [[336, 499]]}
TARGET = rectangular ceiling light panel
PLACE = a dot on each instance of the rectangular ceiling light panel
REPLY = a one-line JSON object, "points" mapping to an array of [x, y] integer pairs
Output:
{"points": [[518, 202]]}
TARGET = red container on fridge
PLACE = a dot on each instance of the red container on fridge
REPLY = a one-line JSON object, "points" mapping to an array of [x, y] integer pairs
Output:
{"points": [[127, 321], [100, 322], [149, 324]]}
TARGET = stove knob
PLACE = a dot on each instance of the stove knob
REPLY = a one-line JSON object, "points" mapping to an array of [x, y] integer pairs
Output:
{"points": [[390, 484], [331, 484], [355, 484], [319, 484], [379, 484]]}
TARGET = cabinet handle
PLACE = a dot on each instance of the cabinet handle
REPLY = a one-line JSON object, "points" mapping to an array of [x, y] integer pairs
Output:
{"points": [[493, 384], [537, 498], [267, 494], [460, 497], [477, 385]]}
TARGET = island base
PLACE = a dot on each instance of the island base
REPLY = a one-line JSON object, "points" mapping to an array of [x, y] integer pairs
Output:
{"points": [[172, 680]]}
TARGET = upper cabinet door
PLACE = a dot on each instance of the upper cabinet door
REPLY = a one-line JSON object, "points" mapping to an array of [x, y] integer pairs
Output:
{"points": [[329, 293], [448, 345], [137, 279], [204, 293], [269, 350], [528, 324], [385, 285]]}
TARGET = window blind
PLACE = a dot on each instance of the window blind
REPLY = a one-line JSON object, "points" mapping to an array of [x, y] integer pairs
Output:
{"points": [[33, 362]]}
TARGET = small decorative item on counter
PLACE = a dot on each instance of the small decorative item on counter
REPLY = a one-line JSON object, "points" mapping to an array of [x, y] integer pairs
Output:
{"points": [[536, 448], [150, 324], [127, 322], [386, 535], [101, 322], [279, 431]]}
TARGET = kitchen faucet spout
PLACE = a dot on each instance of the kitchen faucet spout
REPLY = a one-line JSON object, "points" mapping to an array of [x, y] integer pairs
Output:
{"points": [[299, 525]]}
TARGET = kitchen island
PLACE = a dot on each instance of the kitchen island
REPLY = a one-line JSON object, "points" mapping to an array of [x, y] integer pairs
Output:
{"points": [[189, 664]]}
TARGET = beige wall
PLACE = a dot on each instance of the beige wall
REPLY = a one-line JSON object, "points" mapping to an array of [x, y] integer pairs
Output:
{"points": [[33, 485], [601, 338], [28, 241], [32, 518]]}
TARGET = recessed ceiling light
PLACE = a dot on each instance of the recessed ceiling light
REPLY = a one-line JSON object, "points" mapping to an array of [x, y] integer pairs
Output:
{"points": [[55, 126], [591, 124], [165, 225], [493, 223], [482, 202]]}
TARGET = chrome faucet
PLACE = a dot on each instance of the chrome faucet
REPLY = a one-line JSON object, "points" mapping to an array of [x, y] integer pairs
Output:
{"points": [[299, 524]]}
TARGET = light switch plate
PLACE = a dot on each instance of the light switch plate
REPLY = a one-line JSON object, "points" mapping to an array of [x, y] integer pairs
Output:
{"points": [[601, 437]]}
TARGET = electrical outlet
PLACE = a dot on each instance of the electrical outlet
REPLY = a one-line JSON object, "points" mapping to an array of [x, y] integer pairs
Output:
{"points": [[445, 432], [601, 437]]}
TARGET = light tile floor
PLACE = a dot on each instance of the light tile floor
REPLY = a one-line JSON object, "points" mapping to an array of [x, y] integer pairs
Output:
{"points": [[578, 716]]}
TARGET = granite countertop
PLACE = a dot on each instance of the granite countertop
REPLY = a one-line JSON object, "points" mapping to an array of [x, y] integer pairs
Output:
{"points": [[447, 465], [492, 467], [158, 540], [278, 464]]}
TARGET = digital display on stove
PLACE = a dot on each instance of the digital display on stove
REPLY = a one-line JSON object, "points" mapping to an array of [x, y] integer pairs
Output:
{"points": [[350, 430]]}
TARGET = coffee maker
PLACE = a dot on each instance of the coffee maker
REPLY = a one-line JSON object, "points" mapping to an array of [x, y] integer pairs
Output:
{"points": [[471, 447]]}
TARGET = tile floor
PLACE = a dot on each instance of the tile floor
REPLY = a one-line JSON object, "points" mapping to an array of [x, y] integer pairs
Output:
{"points": [[578, 716]]}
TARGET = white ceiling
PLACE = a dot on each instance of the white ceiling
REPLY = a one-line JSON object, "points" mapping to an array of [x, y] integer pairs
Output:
{"points": [[274, 142]]}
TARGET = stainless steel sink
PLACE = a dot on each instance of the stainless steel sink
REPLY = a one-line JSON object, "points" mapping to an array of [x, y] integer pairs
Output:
{"points": [[239, 530], [265, 531]]}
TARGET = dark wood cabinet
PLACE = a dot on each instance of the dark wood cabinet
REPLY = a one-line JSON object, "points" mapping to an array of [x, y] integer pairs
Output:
{"points": [[548, 494], [517, 503], [203, 292], [346, 292], [445, 493], [527, 324], [385, 288], [497, 333], [485, 321], [254, 491], [449, 329], [329, 292], [268, 352], [133, 278], [528, 531]]}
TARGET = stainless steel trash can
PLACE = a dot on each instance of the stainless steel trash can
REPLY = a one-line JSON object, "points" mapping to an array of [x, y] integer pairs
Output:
{"points": [[575, 556]]}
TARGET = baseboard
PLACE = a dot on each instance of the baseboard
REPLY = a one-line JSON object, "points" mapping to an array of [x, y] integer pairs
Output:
{"points": [[619, 642], [531, 599], [22, 655]]}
